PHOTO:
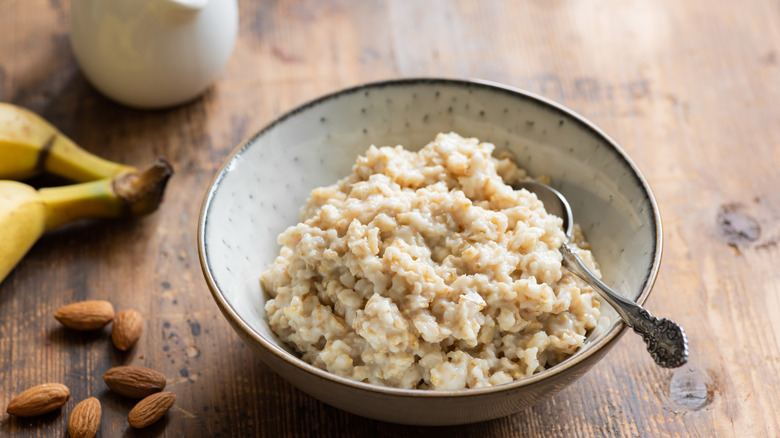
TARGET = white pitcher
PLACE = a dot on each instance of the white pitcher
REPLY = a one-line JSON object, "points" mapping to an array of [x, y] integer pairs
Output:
{"points": [[153, 53]]}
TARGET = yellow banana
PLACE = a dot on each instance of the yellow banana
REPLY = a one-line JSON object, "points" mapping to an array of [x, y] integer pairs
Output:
{"points": [[26, 213], [30, 145]]}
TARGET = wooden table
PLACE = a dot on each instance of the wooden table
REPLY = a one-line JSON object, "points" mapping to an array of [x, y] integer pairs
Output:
{"points": [[689, 88]]}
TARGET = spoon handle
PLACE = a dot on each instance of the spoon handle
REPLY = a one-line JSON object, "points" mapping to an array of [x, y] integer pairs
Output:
{"points": [[665, 339]]}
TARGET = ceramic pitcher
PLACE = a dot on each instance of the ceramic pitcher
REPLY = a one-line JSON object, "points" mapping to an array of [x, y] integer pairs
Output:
{"points": [[153, 53]]}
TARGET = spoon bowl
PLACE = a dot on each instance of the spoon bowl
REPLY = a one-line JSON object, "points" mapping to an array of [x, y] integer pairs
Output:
{"points": [[665, 339]]}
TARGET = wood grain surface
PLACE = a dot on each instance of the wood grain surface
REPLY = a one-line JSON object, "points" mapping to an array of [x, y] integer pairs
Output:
{"points": [[690, 89]]}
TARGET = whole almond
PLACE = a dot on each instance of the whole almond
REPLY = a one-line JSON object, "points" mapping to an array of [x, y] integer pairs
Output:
{"points": [[150, 409], [39, 400], [84, 421], [85, 315], [126, 329], [134, 381]]}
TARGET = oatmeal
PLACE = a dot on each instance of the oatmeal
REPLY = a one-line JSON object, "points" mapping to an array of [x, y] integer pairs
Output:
{"points": [[427, 270]]}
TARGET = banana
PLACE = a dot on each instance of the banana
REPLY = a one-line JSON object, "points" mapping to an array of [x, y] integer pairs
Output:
{"points": [[26, 213], [30, 145]]}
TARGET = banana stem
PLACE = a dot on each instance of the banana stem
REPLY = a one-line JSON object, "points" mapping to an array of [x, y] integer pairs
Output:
{"points": [[129, 194], [142, 192]]}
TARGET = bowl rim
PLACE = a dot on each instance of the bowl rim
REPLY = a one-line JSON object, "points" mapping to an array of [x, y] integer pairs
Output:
{"points": [[238, 322]]}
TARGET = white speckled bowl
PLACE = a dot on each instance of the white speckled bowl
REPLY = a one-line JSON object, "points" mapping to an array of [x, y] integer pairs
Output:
{"points": [[258, 191]]}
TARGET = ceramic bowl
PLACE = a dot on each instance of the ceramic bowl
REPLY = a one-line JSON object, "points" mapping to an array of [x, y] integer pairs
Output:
{"points": [[259, 189]]}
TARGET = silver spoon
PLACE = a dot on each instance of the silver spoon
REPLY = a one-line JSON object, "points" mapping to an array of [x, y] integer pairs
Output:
{"points": [[665, 339]]}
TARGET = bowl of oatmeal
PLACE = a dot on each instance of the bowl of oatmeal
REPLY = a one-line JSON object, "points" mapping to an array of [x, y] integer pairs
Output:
{"points": [[370, 247]]}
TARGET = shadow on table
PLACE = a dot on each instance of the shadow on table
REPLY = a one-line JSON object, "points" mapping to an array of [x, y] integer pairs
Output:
{"points": [[70, 338], [154, 430], [45, 425], [263, 404]]}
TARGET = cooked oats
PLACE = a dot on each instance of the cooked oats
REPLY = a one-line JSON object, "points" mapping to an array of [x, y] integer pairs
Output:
{"points": [[427, 270]]}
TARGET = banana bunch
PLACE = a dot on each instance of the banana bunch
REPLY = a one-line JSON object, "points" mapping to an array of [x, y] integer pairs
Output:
{"points": [[29, 145]]}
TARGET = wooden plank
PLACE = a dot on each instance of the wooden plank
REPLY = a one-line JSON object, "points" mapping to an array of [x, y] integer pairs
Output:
{"points": [[687, 88]]}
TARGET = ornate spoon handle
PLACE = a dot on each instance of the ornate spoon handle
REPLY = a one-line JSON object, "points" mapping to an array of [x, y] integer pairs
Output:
{"points": [[665, 339]]}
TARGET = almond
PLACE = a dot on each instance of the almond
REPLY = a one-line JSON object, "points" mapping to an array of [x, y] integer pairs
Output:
{"points": [[84, 420], [134, 381], [85, 315], [126, 329], [39, 400], [150, 409]]}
